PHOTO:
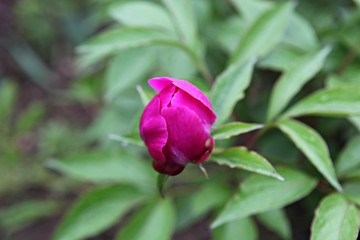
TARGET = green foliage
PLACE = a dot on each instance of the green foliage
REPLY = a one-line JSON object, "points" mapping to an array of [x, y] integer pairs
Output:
{"points": [[107, 167], [329, 102], [349, 159], [240, 157], [119, 76], [22, 214], [313, 146], [233, 129], [293, 79], [161, 213], [249, 200], [274, 70], [229, 88], [277, 221], [244, 227], [264, 33], [98, 210], [335, 218]]}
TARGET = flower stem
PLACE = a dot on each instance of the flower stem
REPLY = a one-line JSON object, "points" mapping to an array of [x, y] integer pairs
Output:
{"points": [[161, 179]]}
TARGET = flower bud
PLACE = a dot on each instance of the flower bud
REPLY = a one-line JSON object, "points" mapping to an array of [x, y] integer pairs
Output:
{"points": [[176, 124]]}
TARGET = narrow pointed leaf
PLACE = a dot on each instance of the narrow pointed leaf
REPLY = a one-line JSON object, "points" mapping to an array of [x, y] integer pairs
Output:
{"points": [[335, 219], [22, 214], [301, 34], [145, 224], [276, 221], [233, 129], [281, 58], [337, 102], [130, 138], [245, 228], [352, 191], [148, 14], [355, 120], [293, 79], [240, 157], [349, 158], [313, 147], [264, 33], [120, 77], [97, 211], [184, 19], [106, 167], [259, 194], [250, 10], [144, 95], [229, 88], [117, 39]]}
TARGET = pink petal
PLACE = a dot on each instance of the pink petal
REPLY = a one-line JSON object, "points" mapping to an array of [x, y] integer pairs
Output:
{"points": [[153, 129], [182, 98], [161, 82], [209, 146], [186, 135], [193, 91], [166, 95]]}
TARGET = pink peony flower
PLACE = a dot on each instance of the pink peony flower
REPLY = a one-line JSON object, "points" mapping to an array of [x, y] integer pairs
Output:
{"points": [[176, 124]]}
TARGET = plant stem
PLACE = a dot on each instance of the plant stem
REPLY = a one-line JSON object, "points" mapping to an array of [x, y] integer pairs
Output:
{"points": [[161, 179], [350, 56], [257, 135]]}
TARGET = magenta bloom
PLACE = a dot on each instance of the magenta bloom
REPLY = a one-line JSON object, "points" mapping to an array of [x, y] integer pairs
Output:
{"points": [[175, 125]]}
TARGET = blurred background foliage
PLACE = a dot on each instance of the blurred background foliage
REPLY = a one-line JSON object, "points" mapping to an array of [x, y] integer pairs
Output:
{"points": [[65, 98]]}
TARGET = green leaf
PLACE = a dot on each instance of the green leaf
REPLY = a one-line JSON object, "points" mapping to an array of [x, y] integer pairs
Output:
{"points": [[240, 157], [194, 206], [229, 32], [96, 211], [147, 14], [281, 58], [145, 224], [20, 215], [209, 197], [107, 167], [144, 95], [259, 194], [349, 158], [352, 191], [30, 117], [130, 138], [176, 62], [294, 79], [184, 20], [313, 146], [301, 34], [120, 77], [8, 94], [120, 38], [245, 228], [335, 219], [250, 10], [233, 129], [348, 78], [329, 102], [357, 2], [276, 220], [356, 122], [229, 88], [264, 33]]}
